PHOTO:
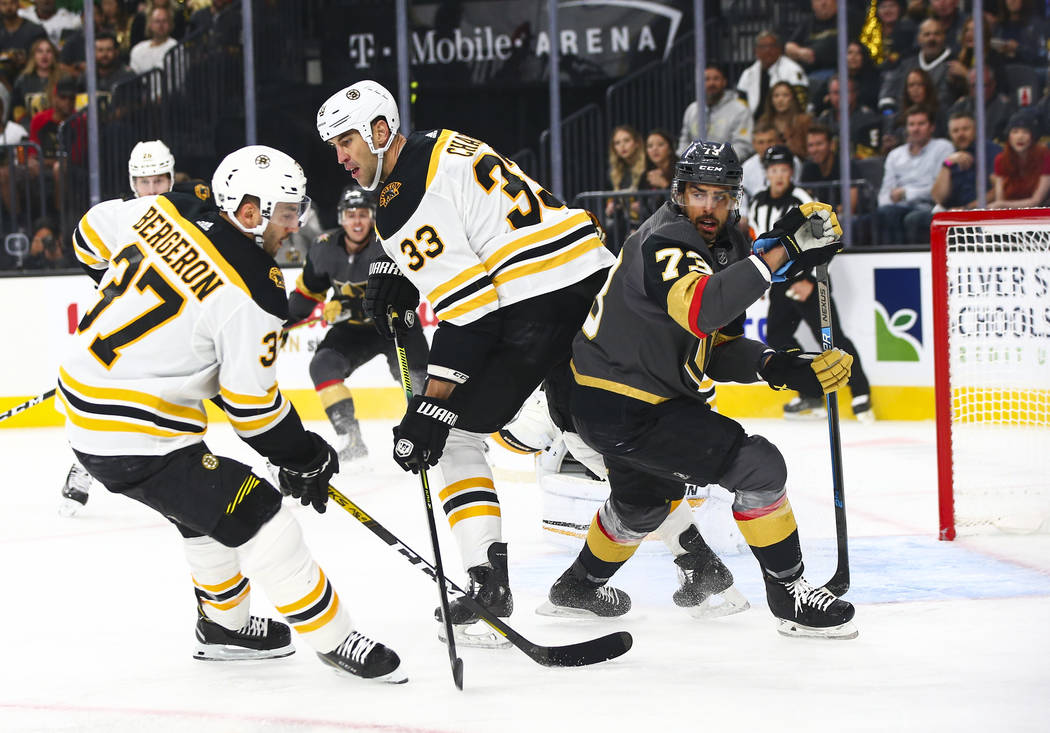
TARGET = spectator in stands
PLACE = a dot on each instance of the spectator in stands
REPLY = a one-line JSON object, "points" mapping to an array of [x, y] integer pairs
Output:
{"points": [[1022, 170], [626, 166], [771, 66], [946, 13], [728, 118], [660, 159], [956, 184], [44, 131], [785, 113], [1019, 35], [113, 17], [822, 168], [47, 250], [71, 55], [918, 92], [865, 125], [221, 19], [149, 54], [12, 133], [935, 58], [998, 108], [141, 27], [814, 44], [109, 69], [17, 33], [862, 70], [992, 58], [56, 21], [898, 34], [36, 81], [905, 194]]}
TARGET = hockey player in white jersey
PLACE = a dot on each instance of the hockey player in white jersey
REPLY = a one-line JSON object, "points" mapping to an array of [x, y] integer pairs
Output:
{"points": [[191, 308], [510, 272], [151, 171]]}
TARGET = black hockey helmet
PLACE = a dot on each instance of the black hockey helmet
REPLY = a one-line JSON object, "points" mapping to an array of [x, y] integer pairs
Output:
{"points": [[354, 198], [711, 163], [778, 154]]}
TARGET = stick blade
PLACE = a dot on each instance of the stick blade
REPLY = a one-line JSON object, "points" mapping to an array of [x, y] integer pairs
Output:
{"points": [[587, 652], [457, 673]]}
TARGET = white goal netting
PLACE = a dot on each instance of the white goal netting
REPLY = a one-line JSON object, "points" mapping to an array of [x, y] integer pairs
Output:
{"points": [[999, 366]]}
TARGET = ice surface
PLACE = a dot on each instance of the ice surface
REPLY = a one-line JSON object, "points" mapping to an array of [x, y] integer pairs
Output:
{"points": [[98, 612]]}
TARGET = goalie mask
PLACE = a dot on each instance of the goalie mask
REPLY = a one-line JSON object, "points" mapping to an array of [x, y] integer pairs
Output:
{"points": [[150, 158], [355, 108], [268, 174], [708, 163]]}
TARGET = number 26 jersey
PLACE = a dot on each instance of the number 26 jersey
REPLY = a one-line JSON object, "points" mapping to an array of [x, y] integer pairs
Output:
{"points": [[474, 233]]}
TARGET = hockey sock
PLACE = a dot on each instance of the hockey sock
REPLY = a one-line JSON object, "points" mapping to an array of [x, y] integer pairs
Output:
{"points": [[772, 534], [339, 406], [222, 592], [673, 529], [469, 496], [280, 562], [611, 542]]}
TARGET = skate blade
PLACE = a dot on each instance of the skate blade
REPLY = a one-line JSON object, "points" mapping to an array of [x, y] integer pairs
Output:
{"points": [[811, 415], [477, 635], [728, 602], [231, 653], [393, 677], [549, 609], [69, 507], [840, 632]]}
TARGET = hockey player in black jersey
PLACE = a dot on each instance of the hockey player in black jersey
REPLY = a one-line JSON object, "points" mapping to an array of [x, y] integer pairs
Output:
{"points": [[671, 314], [509, 271], [794, 300], [339, 260], [191, 307]]}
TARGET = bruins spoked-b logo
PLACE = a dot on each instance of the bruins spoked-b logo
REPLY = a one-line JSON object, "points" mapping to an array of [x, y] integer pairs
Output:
{"points": [[262, 161], [210, 461], [404, 448]]}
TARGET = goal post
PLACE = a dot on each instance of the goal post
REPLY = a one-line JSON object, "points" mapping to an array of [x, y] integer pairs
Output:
{"points": [[991, 321]]}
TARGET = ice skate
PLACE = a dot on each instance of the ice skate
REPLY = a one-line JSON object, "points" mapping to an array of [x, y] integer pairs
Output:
{"points": [[350, 445], [575, 597], [362, 657], [803, 610], [260, 638], [805, 408], [490, 587], [75, 491], [862, 409], [706, 586]]}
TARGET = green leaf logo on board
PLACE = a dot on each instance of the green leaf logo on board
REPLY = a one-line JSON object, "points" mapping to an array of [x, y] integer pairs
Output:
{"points": [[898, 314]]}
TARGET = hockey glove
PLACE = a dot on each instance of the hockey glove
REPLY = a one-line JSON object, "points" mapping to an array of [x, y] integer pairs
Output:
{"points": [[309, 482], [388, 288], [810, 235], [346, 306], [809, 374], [420, 438]]}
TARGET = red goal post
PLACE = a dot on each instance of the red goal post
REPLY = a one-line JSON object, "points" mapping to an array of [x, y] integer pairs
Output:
{"points": [[991, 321]]}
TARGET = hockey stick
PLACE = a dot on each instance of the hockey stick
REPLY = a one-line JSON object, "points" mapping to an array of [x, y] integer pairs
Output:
{"points": [[26, 405], [579, 654], [406, 385], [839, 582], [300, 324]]}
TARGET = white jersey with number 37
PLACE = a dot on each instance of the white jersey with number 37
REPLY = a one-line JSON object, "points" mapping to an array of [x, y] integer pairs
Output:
{"points": [[474, 233]]}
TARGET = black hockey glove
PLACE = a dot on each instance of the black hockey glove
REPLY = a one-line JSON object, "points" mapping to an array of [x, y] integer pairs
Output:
{"points": [[420, 438], [810, 234], [309, 482], [388, 288], [809, 374]]}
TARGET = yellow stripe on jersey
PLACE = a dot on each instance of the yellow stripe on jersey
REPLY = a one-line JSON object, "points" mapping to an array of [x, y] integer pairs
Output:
{"points": [[237, 398], [300, 285], [151, 402], [542, 265], [469, 274], [486, 297], [85, 256], [551, 232], [115, 426], [435, 155], [96, 241], [610, 386], [191, 230], [680, 300], [242, 425]]}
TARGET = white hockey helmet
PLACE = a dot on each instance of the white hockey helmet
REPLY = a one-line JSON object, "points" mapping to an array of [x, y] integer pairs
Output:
{"points": [[150, 158], [267, 173], [355, 108]]}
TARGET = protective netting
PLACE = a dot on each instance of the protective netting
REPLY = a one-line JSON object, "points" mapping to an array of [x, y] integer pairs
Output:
{"points": [[999, 355]]}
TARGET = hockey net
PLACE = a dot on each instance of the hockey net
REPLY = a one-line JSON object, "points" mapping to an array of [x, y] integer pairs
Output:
{"points": [[991, 298]]}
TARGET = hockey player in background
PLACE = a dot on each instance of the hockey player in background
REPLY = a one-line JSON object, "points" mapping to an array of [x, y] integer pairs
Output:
{"points": [[151, 171], [510, 272], [191, 308], [339, 260], [671, 314]]}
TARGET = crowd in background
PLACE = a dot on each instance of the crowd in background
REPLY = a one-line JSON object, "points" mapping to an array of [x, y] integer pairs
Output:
{"points": [[912, 129]]}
